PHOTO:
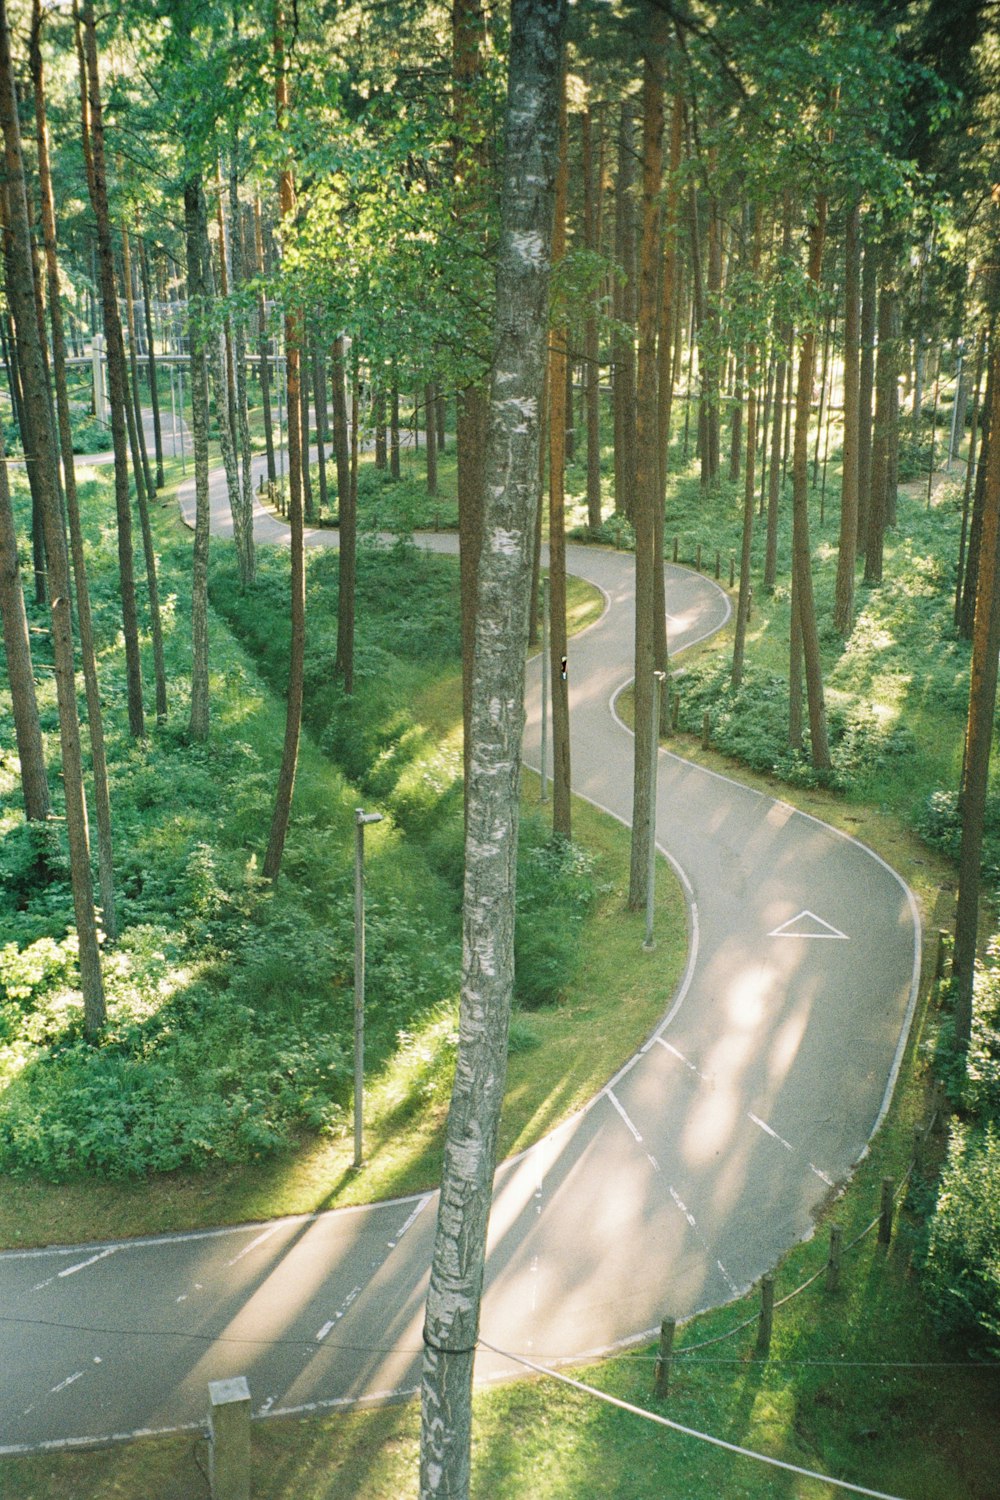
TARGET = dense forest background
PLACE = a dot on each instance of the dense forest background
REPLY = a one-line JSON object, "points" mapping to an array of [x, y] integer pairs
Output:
{"points": [[262, 240]]}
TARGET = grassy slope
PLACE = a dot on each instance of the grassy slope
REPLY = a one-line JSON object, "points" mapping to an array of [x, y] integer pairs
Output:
{"points": [[550, 1073], [825, 1400]]}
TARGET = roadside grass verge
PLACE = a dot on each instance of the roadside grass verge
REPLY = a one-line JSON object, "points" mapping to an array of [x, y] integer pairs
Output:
{"points": [[205, 952], [857, 1386]]}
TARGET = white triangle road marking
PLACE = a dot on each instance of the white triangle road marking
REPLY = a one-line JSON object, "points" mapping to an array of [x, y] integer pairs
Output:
{"points": [[792, 928]]}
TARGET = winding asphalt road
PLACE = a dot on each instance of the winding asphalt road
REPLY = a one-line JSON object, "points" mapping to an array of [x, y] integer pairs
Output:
{"points": [[681, 1183]]}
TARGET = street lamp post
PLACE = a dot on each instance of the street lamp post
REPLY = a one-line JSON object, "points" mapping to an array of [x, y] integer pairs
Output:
{"points": [[654, 752], [361, 818], [545, 688]]}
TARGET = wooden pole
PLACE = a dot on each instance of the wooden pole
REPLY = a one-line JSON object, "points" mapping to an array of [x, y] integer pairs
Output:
{"points": [[762, 1348], [664, 1359], [885, 1212], [833, 1263]]}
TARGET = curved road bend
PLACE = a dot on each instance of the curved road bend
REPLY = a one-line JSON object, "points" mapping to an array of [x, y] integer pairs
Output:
{"points": [[681, 1182]]}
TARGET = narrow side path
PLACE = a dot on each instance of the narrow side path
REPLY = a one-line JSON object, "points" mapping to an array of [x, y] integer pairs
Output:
{"points": [[683, 1181]]}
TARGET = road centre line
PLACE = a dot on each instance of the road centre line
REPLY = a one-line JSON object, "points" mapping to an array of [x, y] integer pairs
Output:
{"points": [[64, 1383], [411, 1220], [624, 1116], [272, 1229], [767, 1129], [685, 1060]]}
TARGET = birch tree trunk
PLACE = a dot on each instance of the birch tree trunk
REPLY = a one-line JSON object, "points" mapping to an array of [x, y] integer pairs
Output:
{"points": [[452, 1321], [468, 34]]}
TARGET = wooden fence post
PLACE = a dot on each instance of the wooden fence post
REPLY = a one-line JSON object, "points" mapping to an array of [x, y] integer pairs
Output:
{"points": [[697, 557], [732, 572], [885, 1211], [664, 1359], [675, 548], [833, 1263], [675, 706], [706, 725], [763, 1346], [718, 563]]}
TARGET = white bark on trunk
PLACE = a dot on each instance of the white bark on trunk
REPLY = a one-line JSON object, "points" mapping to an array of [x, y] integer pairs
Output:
{"points": [[452, 1319]]}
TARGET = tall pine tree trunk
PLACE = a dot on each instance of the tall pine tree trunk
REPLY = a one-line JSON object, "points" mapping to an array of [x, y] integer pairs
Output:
{"points": [[866, 386], [20, 674], [558, 643], [749, 481], [591, 345], [263, 350], [21, 295], [154, 391], [196, 240], [979, 731], [94, 155], [781, 374], [296, 461], [451, 1327], [623, 392], [347, 510], [885, 377], [647, 494], [801, 549], [95, 716], [843, 614]]}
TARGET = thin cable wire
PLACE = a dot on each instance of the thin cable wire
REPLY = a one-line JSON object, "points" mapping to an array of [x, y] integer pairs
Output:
{"points": [[209, 1338], [704, 1437]]}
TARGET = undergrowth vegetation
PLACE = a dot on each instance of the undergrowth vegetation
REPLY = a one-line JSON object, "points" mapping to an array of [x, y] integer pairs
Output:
{"points": [[897, 697], [230, 1004]]}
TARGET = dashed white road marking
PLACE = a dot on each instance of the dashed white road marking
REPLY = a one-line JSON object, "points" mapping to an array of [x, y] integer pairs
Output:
{"points": [[83, 1264], [685, 1060], [272, 1229], [683, 1208], [768, 1131], [624, 1116], [64, 1383], [730, 1283], [324, 1330], [411, 1220], [822, 1176]]}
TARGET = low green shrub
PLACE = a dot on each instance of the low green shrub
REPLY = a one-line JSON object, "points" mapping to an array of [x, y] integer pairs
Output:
{"points": [[751, 724], [939, 822], [962, 1264], [556, 887], [89, 435]]}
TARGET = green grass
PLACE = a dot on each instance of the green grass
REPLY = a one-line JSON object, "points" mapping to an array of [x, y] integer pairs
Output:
{"points": [[857, 1386], [193, 821]]}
